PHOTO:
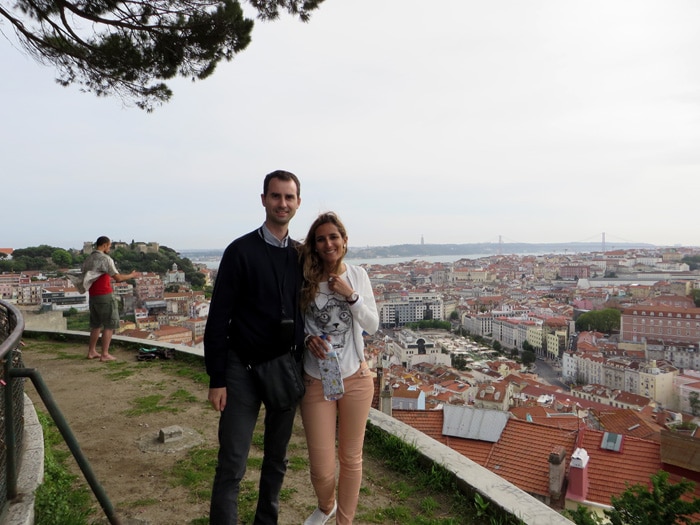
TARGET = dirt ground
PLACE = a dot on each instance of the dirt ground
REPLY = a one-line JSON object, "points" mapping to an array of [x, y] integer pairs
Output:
{"points": [[124, 451]]}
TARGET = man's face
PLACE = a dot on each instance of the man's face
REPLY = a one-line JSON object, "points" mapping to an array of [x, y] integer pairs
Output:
{"points": [[106, 247], [281, 201]]}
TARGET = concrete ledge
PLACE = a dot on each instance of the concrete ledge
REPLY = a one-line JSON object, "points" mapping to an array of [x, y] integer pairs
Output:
{"points": [[20, 511], [74, 334], [469, 474]]}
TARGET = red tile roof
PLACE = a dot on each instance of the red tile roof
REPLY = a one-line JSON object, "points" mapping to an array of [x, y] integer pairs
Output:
{"points": [[609, 471], [628, 422], [521, 456]]}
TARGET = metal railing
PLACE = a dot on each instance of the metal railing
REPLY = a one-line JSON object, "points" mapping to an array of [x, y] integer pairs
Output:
{"points": [[12, 404], [12, 414]]}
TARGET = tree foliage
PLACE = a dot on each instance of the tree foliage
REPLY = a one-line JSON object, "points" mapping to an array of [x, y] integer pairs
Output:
{"points": [[528, 357], [694, 400], [36, 258], [604, 321], [660, 504], [61, 258], [430, 324], [695, 294], [639, 504], [160, 263], [130, 47], [693, 261], [46, 257], [459, 362]]}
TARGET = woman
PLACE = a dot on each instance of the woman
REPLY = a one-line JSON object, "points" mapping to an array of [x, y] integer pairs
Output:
{"points": [[338, 305]]}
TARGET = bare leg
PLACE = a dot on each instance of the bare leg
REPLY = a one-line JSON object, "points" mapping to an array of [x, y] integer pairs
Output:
{"points": [[92, 345], [106, 340]]}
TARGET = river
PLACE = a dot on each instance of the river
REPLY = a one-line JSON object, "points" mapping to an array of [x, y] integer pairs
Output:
{"points": [[213, 260]]}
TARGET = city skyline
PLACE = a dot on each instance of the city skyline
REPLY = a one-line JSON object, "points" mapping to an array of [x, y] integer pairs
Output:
{"points": [[536, 122]]}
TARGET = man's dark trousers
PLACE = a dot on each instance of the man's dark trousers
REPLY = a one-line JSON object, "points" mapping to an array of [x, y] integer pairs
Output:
{"points": [[236, 427]]}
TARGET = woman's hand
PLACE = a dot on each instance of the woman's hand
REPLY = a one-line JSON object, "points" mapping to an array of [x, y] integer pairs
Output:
{"points": [[317, 346], [339, 286]]}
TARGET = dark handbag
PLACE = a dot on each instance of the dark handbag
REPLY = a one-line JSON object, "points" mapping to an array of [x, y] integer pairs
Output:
{"points": [[279, 381]]}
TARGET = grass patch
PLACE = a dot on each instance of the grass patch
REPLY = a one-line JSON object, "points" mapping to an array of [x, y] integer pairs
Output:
{"points": [[298, 463], [427, 481], [286, 494], [182, 396], [259, 440], [145, 502], [44, 346], [80, 322], [66, 355], [60, 500], [247, 501], [117, 370], [196, 472], [148, 405], [187, 366]]}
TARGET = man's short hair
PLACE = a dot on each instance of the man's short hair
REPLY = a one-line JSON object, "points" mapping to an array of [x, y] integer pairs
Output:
{"points": [[282, 175], [102, 239]]}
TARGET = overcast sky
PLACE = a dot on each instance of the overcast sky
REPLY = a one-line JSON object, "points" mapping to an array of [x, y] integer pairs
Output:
{"points": [[455, 121]]}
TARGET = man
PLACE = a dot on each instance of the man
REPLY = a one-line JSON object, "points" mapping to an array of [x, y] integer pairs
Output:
{"points": [[98, 272], [255, 301]]}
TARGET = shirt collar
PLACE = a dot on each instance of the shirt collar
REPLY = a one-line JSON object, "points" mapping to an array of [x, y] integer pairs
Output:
{"points": [[271, 239]]}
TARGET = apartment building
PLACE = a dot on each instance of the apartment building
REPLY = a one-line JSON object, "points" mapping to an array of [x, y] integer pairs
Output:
{"points": [[660, 323], [178, 335], [181, 302], [30, 293], [482, 323], [10, 283], [149, 287], [682, 355], [574, 271], [688, 387], [509, 332], [651, 379], [656, 382], [410, 307], [471, 275], [196, 326], [610, 397], [64, 298]]}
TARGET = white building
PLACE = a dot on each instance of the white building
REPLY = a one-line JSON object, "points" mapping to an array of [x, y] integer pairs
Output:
{"points": [[411, 348], [64, 298], [410, 308]]}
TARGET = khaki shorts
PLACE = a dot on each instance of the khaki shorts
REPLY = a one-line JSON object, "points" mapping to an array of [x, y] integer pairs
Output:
{"points": [[104, 312]]}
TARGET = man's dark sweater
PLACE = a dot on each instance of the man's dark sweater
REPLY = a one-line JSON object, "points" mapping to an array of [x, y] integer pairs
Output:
{"points": [[246, 309]]}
